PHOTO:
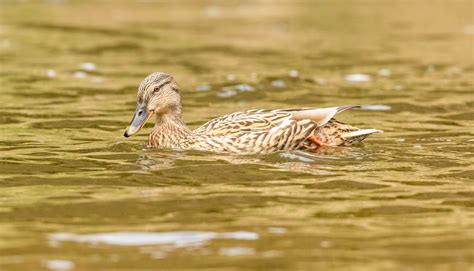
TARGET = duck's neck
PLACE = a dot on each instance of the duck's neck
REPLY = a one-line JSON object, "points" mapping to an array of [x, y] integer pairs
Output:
{"points": [[169, 131]]}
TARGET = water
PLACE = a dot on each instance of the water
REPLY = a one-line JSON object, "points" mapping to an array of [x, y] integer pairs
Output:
{"points": [[403, 200]]}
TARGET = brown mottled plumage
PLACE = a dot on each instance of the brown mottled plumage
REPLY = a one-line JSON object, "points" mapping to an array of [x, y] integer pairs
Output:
{"points": [[252, 131]]}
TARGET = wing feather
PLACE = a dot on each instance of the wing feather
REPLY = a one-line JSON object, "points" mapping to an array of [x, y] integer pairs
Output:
{"points": [[247, 121], [261, 130]]}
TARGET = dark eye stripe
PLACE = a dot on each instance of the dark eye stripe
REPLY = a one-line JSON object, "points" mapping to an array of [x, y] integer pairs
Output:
{"points": [[157, 88]]}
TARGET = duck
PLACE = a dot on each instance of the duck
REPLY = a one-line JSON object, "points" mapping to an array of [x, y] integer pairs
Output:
{"points": [[254, 131]]}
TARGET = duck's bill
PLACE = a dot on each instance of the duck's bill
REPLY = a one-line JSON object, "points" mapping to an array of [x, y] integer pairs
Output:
{"points": [[139, 119]]}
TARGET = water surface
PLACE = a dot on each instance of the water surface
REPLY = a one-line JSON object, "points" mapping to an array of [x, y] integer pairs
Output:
{"points": [[76, 195]]}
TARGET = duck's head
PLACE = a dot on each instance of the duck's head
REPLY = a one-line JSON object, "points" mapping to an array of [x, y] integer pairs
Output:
{"points": [[158, 93]]}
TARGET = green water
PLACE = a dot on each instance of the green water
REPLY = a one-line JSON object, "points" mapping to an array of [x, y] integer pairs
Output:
{"points": [[71, 184]]}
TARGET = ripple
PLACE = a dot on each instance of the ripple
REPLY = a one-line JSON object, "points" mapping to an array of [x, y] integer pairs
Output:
{"points": [[345, 185]]}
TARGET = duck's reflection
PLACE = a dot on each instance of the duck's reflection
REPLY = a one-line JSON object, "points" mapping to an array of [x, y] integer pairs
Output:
{"points": [[323, 159]]}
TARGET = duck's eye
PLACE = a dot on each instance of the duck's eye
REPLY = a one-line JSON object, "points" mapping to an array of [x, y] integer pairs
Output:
{"points": [[156, 89]]}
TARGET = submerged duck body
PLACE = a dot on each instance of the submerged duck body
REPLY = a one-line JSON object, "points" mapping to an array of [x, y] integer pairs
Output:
{"points": [[246, 132]]}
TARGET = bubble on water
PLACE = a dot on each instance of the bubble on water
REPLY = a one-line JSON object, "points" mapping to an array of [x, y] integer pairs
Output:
{"points": [[377, 107], [6, 43], [398, 87], [226, 93], [59, 265], [51, 73], [276, 230], [203, 87], [236, 251], [320, 81], [88, 66], [231, 77], [158, 254], [293, 73], [80, 75], [212, 11], [385, 72], [233, 90], [468, 29], [325, 244], [278, 83], [244, 87], [430, 69], [358, 78]]}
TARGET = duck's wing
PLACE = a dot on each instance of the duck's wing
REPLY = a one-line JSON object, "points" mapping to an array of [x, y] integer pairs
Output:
{"points": [[264, 120], [265, 130], [245, 122], [255, 131]]}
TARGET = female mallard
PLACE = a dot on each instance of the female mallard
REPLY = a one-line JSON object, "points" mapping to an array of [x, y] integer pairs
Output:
{"points": [[252, 131]]}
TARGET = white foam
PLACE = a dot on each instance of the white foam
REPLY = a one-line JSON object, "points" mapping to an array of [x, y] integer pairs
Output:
{"points": [[469, 29], [226, 93], [293, 73], [320, 81], [80, 75], [212, 11], [177, 239], [244, 87], [276, 230], [358, 78], [278, 83], [5, 43], [325, 244], [51, 73], [59, 265], [385, 72], [88, 66], [233, 90], [295, 157]]}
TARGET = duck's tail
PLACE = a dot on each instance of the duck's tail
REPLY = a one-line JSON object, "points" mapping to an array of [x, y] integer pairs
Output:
{"points": [[336, 133]]}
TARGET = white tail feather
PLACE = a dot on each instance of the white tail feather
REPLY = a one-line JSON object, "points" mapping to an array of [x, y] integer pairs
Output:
{"points": [[320, 115], [361, 132]]}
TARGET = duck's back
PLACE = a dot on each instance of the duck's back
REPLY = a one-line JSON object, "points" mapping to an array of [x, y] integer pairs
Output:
{"points": [[254, 131]]}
